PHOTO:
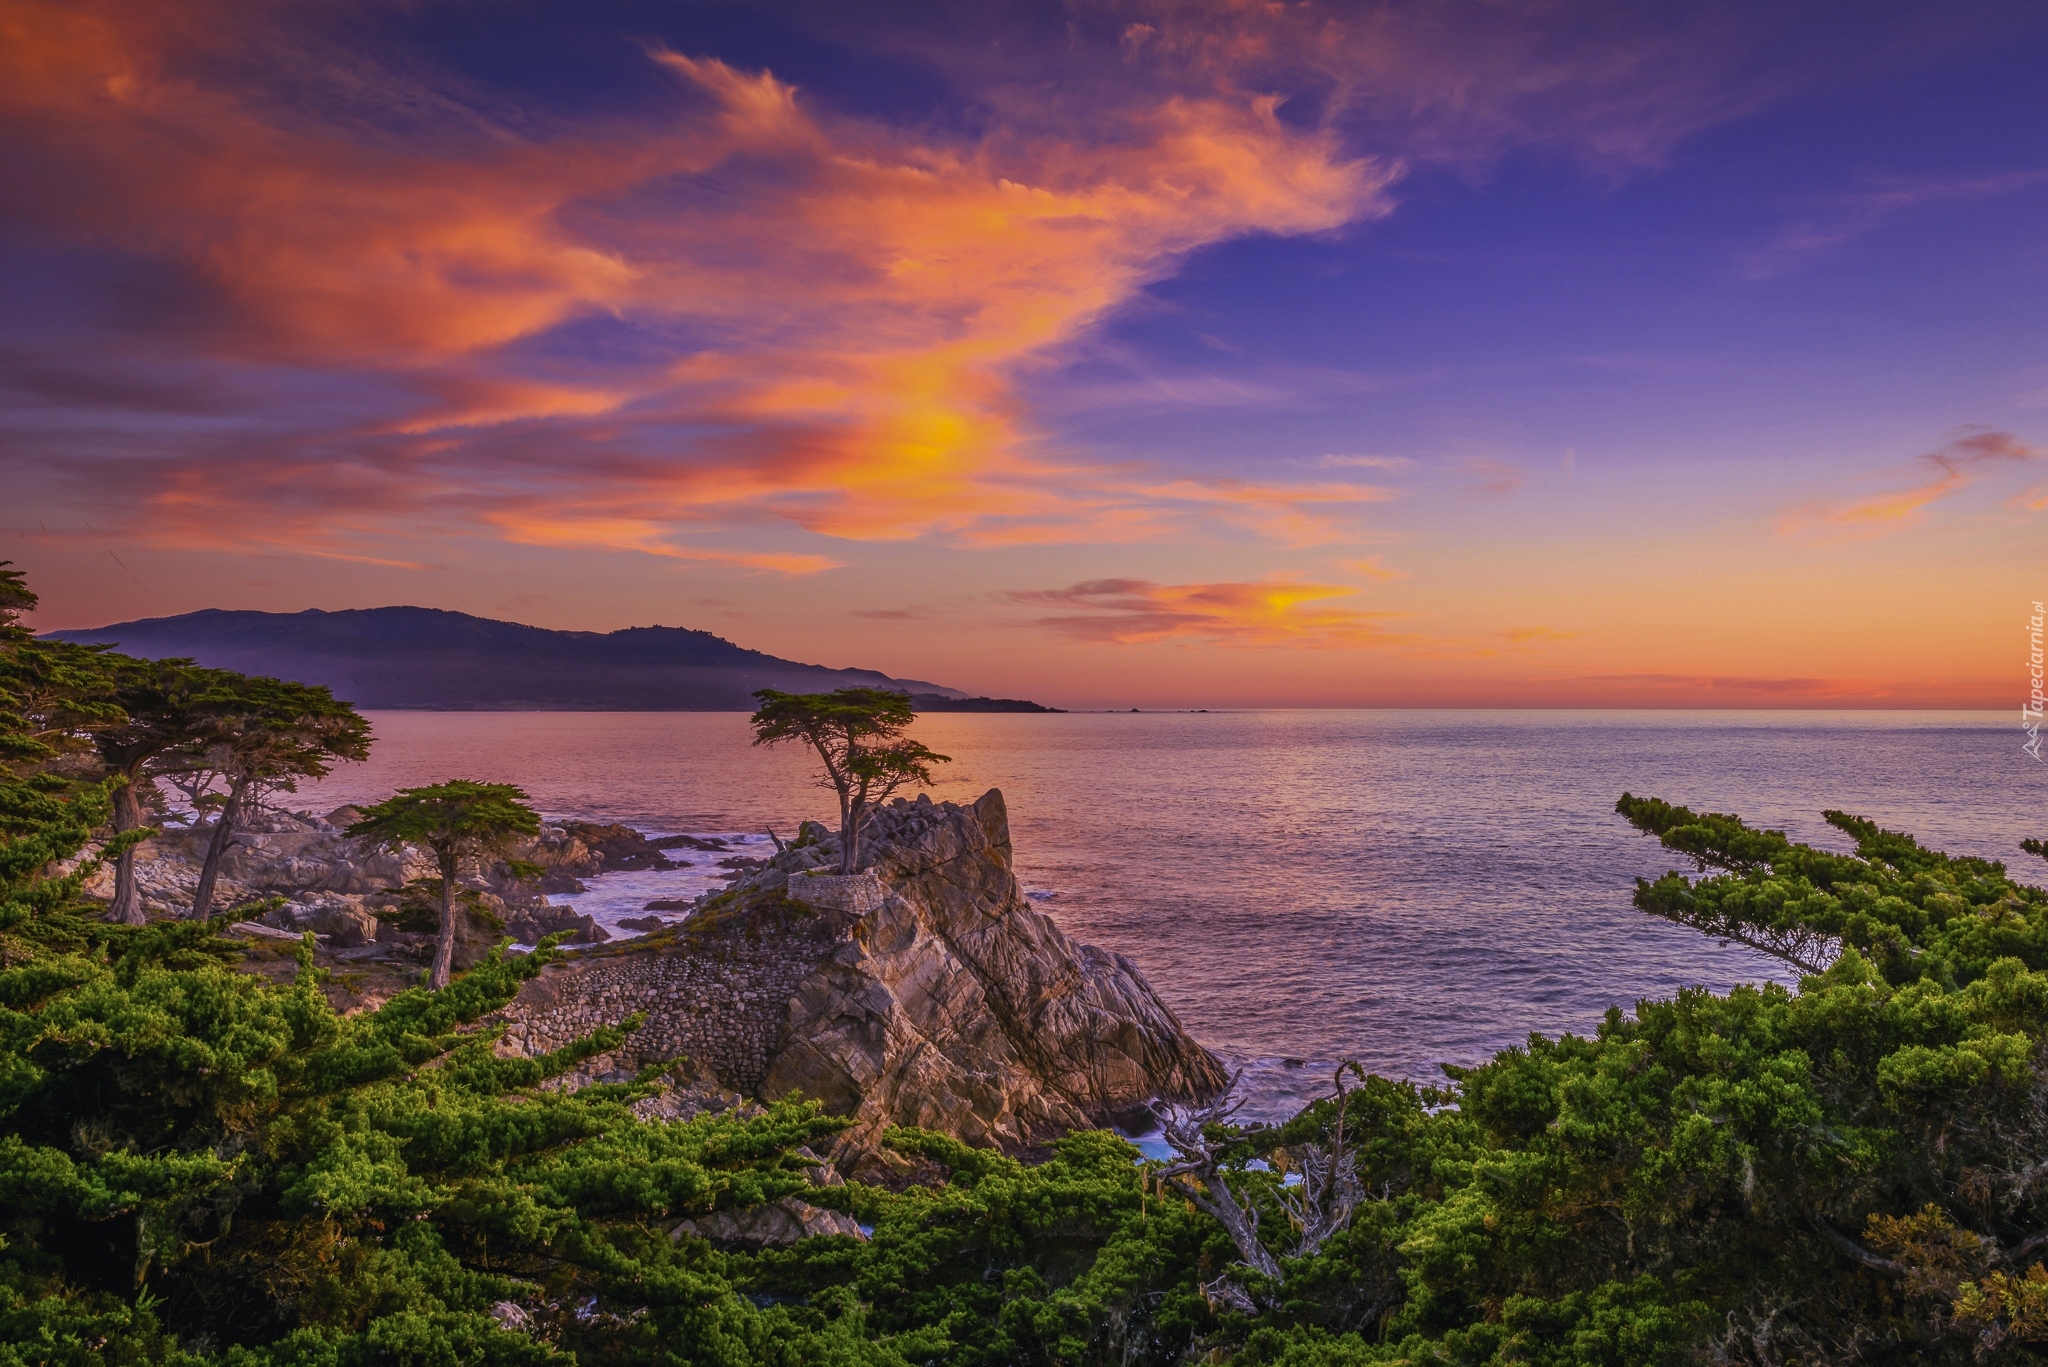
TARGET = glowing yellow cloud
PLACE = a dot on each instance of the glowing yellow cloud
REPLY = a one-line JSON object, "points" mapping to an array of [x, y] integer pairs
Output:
{"points": [[1273, 612]]}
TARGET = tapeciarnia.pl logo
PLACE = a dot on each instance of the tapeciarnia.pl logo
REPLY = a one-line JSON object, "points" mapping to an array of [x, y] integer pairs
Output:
{"points": [[2030, 714]]}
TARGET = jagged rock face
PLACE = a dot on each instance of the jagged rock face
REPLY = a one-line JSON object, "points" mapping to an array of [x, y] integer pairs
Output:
{"points": [[943, 1000], [957, 1006]]}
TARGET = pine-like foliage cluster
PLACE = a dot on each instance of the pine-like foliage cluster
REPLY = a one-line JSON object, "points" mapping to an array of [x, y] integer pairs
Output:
{"points": [[199, 1165]]}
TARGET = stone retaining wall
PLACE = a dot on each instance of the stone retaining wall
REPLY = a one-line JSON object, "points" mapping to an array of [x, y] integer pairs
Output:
{"points": [[716, 996]]}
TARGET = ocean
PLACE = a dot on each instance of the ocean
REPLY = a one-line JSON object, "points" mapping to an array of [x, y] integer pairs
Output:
{"points": [[1403, 888]]}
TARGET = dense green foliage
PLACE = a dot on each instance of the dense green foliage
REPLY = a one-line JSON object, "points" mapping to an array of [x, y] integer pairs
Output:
{"points": [[198, 1165]]}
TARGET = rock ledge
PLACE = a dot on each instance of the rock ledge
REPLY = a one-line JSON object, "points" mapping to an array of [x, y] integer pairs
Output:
{"points": [[925, 990]]}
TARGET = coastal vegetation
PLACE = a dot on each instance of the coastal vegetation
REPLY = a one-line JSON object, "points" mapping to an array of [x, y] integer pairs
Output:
{"points": [[198, 1165], [857, 734], [457, 820]]}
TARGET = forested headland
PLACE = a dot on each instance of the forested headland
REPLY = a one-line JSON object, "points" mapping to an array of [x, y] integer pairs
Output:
{"points": [[198, 1164]]}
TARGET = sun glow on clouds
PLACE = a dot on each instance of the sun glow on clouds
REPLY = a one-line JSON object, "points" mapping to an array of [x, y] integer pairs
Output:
{"points": [[860, 298], [1269, 613]]}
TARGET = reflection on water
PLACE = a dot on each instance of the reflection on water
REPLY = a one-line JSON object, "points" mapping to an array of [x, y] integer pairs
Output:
{"points": [[1405, 888]]}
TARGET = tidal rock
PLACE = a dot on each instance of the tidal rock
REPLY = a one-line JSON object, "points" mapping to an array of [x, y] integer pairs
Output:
{"points": [[688, 842], [620, 847]]}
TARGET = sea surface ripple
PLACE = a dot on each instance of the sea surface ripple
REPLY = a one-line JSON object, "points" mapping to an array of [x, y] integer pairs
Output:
{"points": [[1404, 888]]}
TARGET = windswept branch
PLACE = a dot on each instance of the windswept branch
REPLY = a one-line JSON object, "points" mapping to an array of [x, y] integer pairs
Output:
{"points": [[1857, 1252], [1318, 1203]]}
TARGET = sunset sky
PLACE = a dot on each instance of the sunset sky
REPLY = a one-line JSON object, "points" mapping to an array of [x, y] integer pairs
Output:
{"points": [[1150, 354]]}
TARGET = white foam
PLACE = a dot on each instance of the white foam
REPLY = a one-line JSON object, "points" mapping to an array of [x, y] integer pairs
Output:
{"points": [[614, 897]]}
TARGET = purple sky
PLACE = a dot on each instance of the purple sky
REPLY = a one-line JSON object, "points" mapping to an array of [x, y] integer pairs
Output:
{"points": [[1106, 353]]}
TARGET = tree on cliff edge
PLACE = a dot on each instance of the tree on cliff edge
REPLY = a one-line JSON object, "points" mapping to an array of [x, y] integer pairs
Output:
{"points": [[858, 734], [260, 737], [456, 820]]}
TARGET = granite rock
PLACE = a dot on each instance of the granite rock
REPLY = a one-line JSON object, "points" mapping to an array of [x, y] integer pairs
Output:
{"points": [[944, 1000]]}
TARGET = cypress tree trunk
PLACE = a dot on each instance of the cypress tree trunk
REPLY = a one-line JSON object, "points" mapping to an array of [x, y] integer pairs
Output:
{"points": [[444, 948], [849, 839], [846, 833], [223, 833], [126, 908]]}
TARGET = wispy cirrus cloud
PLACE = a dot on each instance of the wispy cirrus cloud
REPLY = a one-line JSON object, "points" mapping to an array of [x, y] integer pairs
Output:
{"points": [[1845, 218], [1264, 613], [1937, 475], [1493, 477]]}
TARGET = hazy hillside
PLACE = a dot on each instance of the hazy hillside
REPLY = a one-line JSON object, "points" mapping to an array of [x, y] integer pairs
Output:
{"points": [[427, 658]]}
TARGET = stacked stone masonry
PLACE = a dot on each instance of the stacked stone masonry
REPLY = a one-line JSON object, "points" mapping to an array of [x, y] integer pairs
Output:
{"points": [[718, 1001]]}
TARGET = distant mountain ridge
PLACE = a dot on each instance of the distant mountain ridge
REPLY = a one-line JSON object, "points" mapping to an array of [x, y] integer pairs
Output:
{"points": [[432, 659]]}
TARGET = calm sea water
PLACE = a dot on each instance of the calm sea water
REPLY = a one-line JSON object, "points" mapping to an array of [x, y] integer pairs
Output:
{"points": [[1402, 888]]}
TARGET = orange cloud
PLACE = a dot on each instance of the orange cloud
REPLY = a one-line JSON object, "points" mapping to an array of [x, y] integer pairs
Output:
{"points": [[868, 295], [1275, 612], [830, 315], [1948, 471], [328, 245]]}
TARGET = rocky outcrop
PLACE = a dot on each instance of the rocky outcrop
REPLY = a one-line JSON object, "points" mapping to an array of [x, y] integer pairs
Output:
{"points": [[621, 847], [344, 890], [941, 998], [921, 990]]}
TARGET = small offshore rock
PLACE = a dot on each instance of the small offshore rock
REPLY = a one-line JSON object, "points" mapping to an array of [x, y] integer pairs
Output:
{"points": [[688, 842]]}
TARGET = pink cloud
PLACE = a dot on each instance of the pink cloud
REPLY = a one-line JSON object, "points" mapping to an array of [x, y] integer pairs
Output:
{"points": [[1942, 473]]}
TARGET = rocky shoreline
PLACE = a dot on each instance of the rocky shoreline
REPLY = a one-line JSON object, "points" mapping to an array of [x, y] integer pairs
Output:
{"points": [[925, 991]]}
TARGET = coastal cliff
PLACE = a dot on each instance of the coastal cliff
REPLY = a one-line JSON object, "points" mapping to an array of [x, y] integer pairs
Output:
{"points": [[925, 990], [941, 998]]}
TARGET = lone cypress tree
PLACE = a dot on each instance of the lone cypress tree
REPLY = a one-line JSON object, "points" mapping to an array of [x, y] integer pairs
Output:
{"points": [[858, 734], [457, 820]]}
